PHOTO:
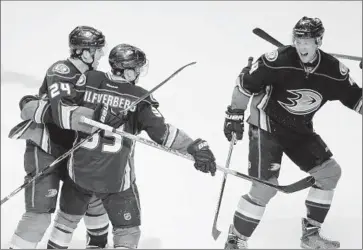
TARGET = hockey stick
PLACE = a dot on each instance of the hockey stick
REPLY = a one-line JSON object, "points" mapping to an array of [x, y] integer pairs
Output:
{"points": [[264, 35], [215, 231], [79, 144], [294, 187]]}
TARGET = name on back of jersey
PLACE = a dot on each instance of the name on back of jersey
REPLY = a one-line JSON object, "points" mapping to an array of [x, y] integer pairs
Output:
{"points": [[114, 101]]}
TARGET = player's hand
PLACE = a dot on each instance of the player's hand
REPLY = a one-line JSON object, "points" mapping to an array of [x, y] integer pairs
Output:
{"points": [[360, 64], [104, 113], [203, 156], [25, 99], [234, 123]]}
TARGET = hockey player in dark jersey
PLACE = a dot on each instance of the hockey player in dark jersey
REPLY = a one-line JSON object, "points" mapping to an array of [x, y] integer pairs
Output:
{"points": [[288, 86], [46, 142], [104, 165]]}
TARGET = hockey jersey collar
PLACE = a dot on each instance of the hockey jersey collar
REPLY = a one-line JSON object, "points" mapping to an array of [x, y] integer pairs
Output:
{"points": [[79, 65]]}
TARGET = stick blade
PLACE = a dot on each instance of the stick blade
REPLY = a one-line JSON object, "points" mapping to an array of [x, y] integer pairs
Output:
{"points": [[299, 185], [215, 233]]}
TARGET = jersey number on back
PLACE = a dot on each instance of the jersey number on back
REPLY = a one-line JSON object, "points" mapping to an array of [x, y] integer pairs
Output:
{"points": [[105, 147], [56, 88]]}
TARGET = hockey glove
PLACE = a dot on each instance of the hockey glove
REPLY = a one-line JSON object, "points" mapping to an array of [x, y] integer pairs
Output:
{"points": [[25, 99], [234, 123], [203, 156], [103, 113]]}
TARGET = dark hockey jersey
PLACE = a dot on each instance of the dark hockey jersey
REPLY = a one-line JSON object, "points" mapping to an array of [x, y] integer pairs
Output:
{"points": [[287, 94], [48, 120], [104, 163]]}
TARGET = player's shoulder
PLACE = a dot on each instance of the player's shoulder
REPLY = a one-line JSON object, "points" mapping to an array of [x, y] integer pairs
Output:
{"points": [[332, 67], [139, 91], [63, 69], [280, 57], [93, 78], [150, 99]]}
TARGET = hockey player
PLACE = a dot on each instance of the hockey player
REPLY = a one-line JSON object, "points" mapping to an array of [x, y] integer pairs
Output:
{"points": [[46, 142], [104, 165], [288, 86]]}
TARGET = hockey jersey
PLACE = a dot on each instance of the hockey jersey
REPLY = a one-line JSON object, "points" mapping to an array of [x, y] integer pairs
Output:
{"points": [[286, 94], [48, 121], [104, 163]]}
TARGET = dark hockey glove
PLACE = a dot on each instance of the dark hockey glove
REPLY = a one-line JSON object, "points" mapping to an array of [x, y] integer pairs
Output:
{"points": [[25, 99], [234, 123], [103, 113], [360, 64], [203, 156]]}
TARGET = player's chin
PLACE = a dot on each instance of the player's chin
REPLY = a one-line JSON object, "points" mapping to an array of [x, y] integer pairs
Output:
{"points": [[305, 58]]}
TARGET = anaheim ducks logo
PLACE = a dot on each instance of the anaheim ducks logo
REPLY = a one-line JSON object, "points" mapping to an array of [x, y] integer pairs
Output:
{"points": [[81, 81], [305, 101], [61, 69], [272, 56], [343, 69]]}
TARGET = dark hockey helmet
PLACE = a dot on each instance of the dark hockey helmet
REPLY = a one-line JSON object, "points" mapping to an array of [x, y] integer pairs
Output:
{"points": [[125, 56], [83, 37], [308, 27]]}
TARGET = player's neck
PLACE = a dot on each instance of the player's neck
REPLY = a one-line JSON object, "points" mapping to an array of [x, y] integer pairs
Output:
{"points": [[313, 61], [81, 66]]}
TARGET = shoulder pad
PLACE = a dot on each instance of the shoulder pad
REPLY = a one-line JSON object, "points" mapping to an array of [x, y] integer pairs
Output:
{"points": [[343, 69], [332, 67], [150, 99], [63, 68], [271, 56], [93, 78], [279, 57], [153, 101], [81, 81]]}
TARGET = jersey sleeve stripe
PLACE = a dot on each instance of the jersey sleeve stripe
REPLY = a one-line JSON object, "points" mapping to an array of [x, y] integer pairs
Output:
{"points": [[358, 106], [172, 133], [239, 84], [40, 111], [65, 115]]}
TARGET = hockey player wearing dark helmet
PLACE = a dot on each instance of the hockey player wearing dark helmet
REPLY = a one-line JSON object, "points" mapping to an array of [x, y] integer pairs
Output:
{"points": [[47, 140], [307, 37], [288, 86], [128, 62], [104, 167], [87, 44]]}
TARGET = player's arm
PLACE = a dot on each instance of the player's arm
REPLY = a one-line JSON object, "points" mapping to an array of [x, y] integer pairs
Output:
{"points": [[251, 80], [67, 113], [63, 95], [153, 122], [350, 94]]}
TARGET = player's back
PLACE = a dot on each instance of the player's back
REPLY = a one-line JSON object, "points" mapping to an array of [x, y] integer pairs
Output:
{"points": [[56, 80], [102, 164]]}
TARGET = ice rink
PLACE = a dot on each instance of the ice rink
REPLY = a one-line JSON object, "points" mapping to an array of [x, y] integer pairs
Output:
{"points": [[178, 203]]}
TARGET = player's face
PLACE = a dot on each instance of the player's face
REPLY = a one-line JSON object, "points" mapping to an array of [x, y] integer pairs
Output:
{"points": [[306, 48]]}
